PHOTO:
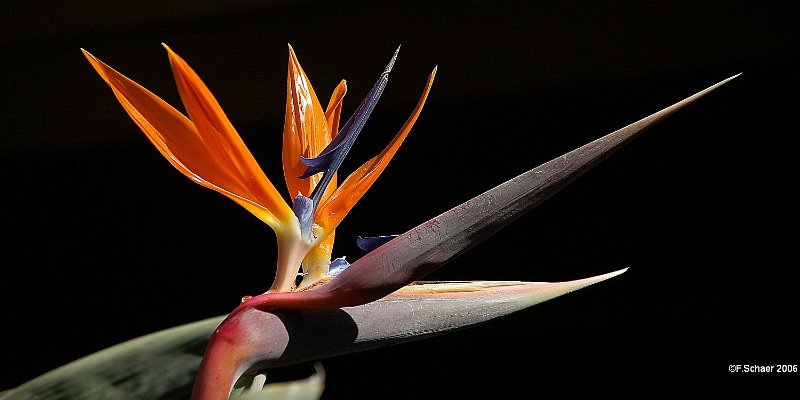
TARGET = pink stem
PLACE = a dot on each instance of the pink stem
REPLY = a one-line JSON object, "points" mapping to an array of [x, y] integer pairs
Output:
{"points": [[224, 361]]}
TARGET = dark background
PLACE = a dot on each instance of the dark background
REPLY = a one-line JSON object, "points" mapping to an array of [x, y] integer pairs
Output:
{"points": [[104, 241]]}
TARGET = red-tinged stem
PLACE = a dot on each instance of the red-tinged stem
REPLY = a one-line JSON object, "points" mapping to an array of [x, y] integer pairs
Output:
{"points": [[240, 341], [224, 361]]}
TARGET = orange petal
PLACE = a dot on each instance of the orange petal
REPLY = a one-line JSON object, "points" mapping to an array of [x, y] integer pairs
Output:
{"points": [[222, 141], [333, 113], [305, 130], [178, 140], [332, 211], [318, 258]]}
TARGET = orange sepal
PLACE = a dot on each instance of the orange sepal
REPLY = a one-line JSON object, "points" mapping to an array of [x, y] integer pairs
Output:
{"points": [[333, 113], [305, 132], [178, 140], [221, 139]]}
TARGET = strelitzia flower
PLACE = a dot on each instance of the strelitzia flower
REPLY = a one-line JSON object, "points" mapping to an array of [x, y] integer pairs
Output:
{"points": [[206, 148], [379, 299]]}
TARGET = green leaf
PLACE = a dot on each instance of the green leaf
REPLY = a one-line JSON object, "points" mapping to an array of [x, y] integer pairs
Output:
{"points": [[161, 365]]}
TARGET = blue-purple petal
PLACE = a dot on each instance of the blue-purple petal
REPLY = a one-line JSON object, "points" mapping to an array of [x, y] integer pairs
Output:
{"points": [[303, 209], [369, 243], [337, 265], [331, 158]]}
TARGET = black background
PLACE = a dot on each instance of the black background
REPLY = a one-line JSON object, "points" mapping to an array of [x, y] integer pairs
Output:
{"points": [[104, 241]]}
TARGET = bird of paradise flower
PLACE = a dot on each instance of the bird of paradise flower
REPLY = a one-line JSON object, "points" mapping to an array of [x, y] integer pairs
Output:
{"points": [[206, 148], [380, 293]]}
